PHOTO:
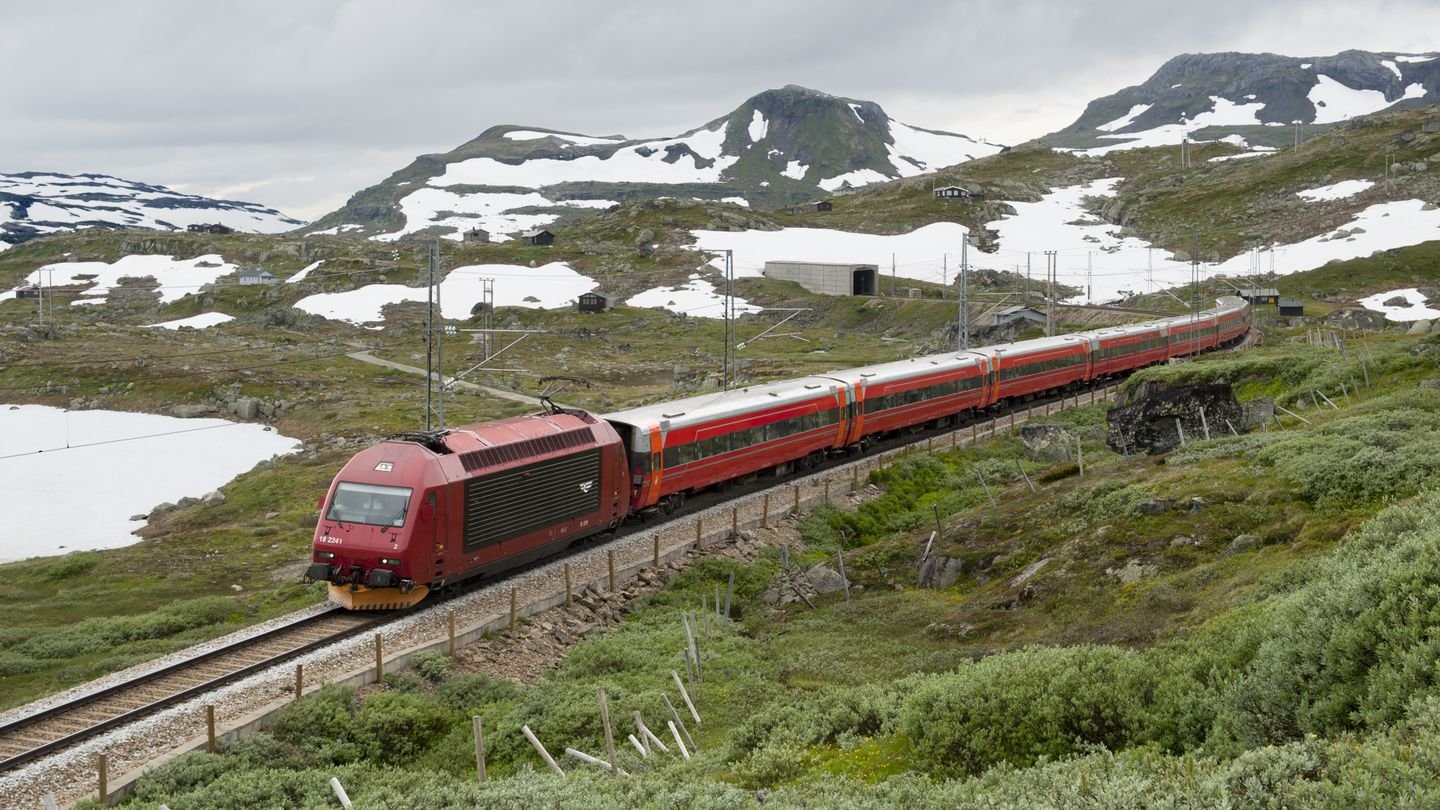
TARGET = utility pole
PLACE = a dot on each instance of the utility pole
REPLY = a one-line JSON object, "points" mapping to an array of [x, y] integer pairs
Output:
{"points": [[728, 306], [1089, 273], [963, 327], [434, 346], [487, 312], [1027, 278], [892, 275], [1149, 271], [944, 273], [1052, 261], [1195, 287]]}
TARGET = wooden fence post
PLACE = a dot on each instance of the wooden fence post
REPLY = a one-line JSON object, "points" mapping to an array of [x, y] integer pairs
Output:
{"points": [[340, 794], [479, 749], [855, 478], [570, 583], [379, 659], [545, 755], [827, 490], [840, 558], [689, 704], [610, 561], [1205, 423], [784, 556], [986, 487], [797, 500], [765, 512], [514, 604], [644, 738], [450, 622], [609, 735], [734, 521], [210, 728], [1026, 476], [104, 767], [299, 680], [699, 533], [657, 556]]}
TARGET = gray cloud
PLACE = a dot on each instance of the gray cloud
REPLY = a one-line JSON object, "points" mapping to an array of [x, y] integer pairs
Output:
{"points": [[297, 105]]}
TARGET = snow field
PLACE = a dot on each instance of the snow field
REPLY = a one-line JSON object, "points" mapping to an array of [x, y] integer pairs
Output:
{"points": [[1416, 311], [1336, 191], [696, 298], [130, 462], [200, 321], [176, 277]]}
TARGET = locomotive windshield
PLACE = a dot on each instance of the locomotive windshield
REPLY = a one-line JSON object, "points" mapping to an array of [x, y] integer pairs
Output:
{"points": [[369, 503]]}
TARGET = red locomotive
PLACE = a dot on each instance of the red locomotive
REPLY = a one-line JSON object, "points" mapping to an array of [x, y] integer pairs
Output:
{"points": [[420, 511]]}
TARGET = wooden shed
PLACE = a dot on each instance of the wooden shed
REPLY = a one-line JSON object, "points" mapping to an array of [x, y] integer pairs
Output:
{"points": [[593, 301], [811, 207], [477, 236], [209, 228], [1292, 307], [1260, 295], [540, 237]]}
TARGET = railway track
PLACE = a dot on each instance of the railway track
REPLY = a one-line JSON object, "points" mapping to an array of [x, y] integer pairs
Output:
{"points": [[62, 726]]}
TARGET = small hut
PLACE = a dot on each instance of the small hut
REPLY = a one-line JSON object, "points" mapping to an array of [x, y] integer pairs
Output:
{"points": [[593, 301], [540, 237]]}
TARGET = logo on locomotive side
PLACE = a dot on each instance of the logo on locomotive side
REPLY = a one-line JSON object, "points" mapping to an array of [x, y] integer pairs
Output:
{"points": [[585, 487]]}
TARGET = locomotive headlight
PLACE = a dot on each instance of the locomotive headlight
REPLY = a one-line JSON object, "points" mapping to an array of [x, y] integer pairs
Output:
{"points": [[324, 555], [390, 561]]}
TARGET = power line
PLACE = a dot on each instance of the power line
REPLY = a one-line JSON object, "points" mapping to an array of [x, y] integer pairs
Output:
{"points": [[54, 450]]}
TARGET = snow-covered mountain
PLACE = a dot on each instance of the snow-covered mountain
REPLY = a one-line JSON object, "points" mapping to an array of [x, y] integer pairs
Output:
{"points": [[1251, 99], [780, 147], [39, 203]]}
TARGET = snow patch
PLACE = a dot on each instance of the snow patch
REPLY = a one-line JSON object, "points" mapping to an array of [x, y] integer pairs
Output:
{"points": [[549, 286], [1415, 60], [932, 150], [696, 298], [859, 177], [758, 127], [300, 276], [582, 140], [1337, 102], [855, 108], [1126, 119], [1416, 311], [1394, 68], [176, 278], [1305, 66], [740, 201], [1222, 112], [795, 170], [638, 163], [1336, 191], [200, 321], [122, 478]]}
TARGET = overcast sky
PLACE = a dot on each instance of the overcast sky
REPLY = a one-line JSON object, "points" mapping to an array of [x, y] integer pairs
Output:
{"points": [[297, 104]]}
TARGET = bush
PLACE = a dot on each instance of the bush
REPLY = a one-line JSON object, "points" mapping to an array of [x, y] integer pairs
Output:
{"points": [[1021, 706], [432, 666], [395, 727]]}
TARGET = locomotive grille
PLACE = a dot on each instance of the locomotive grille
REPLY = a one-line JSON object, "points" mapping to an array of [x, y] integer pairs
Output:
{"points": [[516, 502], [529, 448]]}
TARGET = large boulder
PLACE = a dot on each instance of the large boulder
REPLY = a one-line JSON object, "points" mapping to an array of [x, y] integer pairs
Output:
{"points": [[1048, 443], [1156, 416], [940, 572], [1355, 318], [824, 579]]}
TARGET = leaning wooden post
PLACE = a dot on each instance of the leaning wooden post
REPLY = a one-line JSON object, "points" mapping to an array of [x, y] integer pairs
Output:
{"points": [[514, 612], [765, 512], [609, 735], [479, 749], [340, 793], [1080, 455], [540, 749], [450, 626], [103, 766], [210, 728], [986, 487], [1233, 431], [644, 738], [1180, 431], [299, 680], [689, 704], [656, 561], [675, 717], [678, 742], [610, 560], [1028, 482], [379, 659], [840, 558], [1204, 423], [570, 583]]}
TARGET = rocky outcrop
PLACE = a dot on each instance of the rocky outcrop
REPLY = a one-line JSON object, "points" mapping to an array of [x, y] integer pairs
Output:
{"points": [[1156, 417], [1047, 443], [940, 572]]}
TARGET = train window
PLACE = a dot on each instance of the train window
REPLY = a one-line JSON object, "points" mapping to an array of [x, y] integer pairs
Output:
{"points": [[370, 504]]}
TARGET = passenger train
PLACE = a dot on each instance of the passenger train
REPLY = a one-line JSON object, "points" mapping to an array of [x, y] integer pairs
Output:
{"points": [[421, 511]]}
